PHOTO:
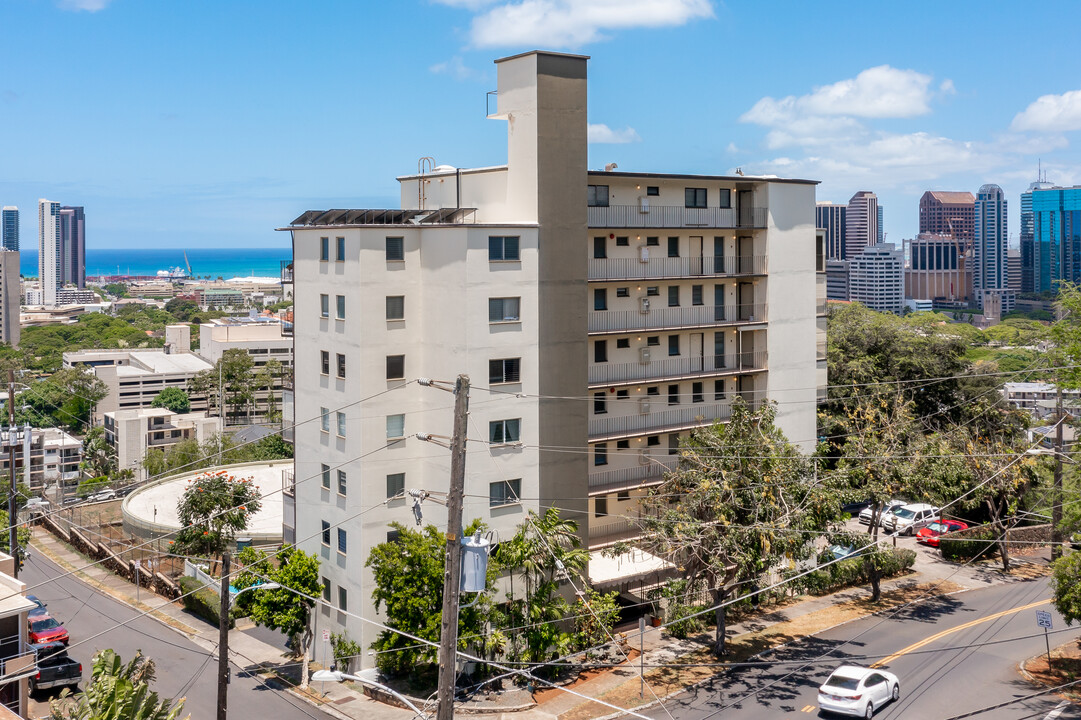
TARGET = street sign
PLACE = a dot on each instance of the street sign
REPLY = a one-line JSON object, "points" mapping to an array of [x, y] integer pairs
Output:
{"points": [[138, 564], [1043, 619], [326, 636]]}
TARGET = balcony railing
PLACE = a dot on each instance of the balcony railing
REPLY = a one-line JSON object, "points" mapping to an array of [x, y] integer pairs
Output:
{"points": [[289, 483], [675, 267], [648, 318], [613, 531], [678, 418], [674, 216], [608, 373], [651, 472], [287, 271]]}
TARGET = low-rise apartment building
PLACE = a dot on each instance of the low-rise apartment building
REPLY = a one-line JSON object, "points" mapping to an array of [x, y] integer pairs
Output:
{"points": [[18, 661], [54, 456], [132, 432]]}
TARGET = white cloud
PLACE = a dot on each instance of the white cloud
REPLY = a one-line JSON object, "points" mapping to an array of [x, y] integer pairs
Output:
{"points": [[601, 133], [571, 23], [87, 5], [947, 88], [454, 67], [1051, 113]]}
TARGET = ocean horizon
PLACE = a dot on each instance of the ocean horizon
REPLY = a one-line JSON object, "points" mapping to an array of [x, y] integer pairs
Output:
{"points": [[214, 262]]}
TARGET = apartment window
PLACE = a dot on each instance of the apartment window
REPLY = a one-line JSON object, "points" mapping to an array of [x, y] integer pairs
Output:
{"points": [[673, 344], [506, 370], [326, 532], [341, 307], [653, 441], [341, 423], [324, 419], [653, 391], [673, 296], [341, 366], [696, 392], [503, 247], [695, 197], [504, 431], [718, 390], [623, 343], [696, 295], [597, 195], [623, 444], [395, 484], [326, 476], [623, 242], [341, 482], [673, 394], [395, 427], [343, 541], [395, 367], [653, 242], [324, 362], [600, 506], [600, 404], [395, 249], [600, 247], [653, 340], [600, 351], [324, 249], [504, 492], [600, 454], [673, 247], [504, 309], [653, 290], [653, 191], [622, 394], [324, 305], [623, 292], [673, 444], [340, 249], [326, 589], [396, 307], [726, 198], [600, 299], [343, 599]]}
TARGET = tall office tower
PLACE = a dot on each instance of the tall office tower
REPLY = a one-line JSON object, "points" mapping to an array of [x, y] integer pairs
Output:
{"points": [[48, 250], [660, 297], [861, 223], [9, 227], [990, 244], [1056, 253], [831, 218], [948, 213], [881, 226], [938, 269], [1030, 257], [876, 278], [1013, 270], [72, 247], [9, 297]]}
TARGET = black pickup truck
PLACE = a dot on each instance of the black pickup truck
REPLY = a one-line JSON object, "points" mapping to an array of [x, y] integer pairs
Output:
{"points": [[55, 668]]}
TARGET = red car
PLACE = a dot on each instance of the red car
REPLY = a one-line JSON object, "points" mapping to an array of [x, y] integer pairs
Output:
{"points": [[929, 535], [44, 629]]}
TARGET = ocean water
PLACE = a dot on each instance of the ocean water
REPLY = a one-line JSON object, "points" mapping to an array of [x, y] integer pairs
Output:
{"points": [[215, 262]]}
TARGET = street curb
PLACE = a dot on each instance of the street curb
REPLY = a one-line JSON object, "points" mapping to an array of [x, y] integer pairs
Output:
{"points": [[273, 682]]}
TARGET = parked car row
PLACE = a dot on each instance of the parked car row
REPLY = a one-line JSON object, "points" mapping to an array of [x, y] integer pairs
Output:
{"points": [[49, 639], [902, 518]]}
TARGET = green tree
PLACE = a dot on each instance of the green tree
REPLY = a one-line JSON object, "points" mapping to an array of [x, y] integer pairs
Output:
{"points": [[1066, 586], [117, 692], [99, 457], [230, 380], [745, 504], [172, 398], [181, 309], [288, 608], [91, 485], [212, 510], [22, 533], [66, 399], [118, 290]]}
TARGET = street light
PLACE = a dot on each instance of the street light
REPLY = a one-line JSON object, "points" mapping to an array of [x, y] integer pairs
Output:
{"points": [[338, 676]]}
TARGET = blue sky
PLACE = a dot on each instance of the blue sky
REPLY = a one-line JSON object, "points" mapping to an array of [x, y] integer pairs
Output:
{"points": [[195, 123]]}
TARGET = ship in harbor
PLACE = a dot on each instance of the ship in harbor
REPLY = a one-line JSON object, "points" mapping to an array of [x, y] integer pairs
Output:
{"points": [[177, 273]]}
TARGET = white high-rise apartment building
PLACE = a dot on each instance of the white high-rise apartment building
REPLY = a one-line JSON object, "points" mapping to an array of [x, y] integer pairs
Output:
{"points": [[48, 250], [601, 316], [990, 263], [861, 223], [876, 278]]}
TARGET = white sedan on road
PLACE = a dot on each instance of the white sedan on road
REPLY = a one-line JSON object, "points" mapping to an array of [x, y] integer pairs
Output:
{"points": [[858, 691]]}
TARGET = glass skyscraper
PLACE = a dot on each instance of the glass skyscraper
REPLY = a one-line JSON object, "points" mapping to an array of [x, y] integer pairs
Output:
{"points": [[9, 227], [1056, 237]]}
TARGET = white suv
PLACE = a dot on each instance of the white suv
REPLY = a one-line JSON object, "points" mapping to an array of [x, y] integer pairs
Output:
{"points": [[907, 519]]}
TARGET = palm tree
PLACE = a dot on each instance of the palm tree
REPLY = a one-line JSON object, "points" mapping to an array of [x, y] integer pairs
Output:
{"points": [[117, 690]]}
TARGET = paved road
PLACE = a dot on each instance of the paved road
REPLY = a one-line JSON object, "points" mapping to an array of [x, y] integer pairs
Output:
{"points": [[939, 679], [183, 668]]}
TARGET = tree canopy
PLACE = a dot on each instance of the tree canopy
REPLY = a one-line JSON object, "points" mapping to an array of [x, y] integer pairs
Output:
{"points": [[212, 510], [174, 399], [117, 690]]}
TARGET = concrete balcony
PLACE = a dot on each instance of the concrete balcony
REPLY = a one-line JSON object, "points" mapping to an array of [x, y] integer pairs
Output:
{"points": [[652, 419], [603, 374], [673, 318], [660, 268], [674, 216], [650, 473]]}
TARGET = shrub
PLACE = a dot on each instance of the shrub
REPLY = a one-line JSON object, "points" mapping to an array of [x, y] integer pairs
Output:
{"points": [[200, 600], [965, 547], [679, 625], [346, 652]]}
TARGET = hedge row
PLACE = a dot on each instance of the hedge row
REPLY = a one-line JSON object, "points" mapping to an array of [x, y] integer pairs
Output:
{"points": [[968, 546], [851, 572], [200, 600]]}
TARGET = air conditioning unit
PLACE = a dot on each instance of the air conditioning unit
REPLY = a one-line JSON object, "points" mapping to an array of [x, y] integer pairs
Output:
{"points": [[643, 305], [643, 457], [643, 355], [643, 204], [643, 407]]}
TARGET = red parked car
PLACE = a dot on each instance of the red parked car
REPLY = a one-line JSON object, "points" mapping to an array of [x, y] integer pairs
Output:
{"points": [[929, 535], [44, 628]]}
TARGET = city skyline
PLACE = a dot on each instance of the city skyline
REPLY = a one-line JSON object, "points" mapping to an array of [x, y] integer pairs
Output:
{"points": [[164, 157]]}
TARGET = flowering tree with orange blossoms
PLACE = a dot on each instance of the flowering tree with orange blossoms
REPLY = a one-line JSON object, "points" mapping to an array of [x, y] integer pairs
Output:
{"points": [[213, 509]]}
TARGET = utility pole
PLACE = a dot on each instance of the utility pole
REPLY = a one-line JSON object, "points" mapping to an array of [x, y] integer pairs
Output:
{"points": [[13, 525], [448, 637], [223, 640], [1056, 500]]}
